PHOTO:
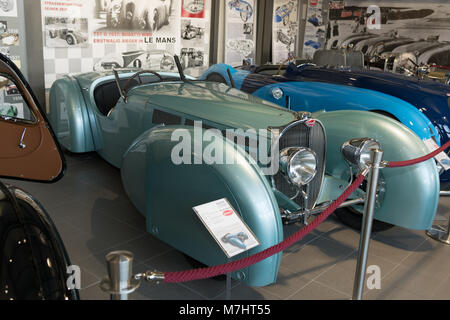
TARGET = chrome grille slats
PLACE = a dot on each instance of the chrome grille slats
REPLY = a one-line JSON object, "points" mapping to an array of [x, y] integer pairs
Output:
{"points": [[299, 134]]}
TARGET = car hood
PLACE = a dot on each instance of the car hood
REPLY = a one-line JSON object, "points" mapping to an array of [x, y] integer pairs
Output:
{"points": [[216, 103]]}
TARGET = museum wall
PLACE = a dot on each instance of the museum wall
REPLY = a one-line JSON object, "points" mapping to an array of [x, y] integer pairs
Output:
{"points": [[267, 31]]}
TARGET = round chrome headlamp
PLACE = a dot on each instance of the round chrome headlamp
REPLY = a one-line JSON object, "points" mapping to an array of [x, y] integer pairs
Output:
{"points": [[359, 151], [299, 165], [277, 93]]}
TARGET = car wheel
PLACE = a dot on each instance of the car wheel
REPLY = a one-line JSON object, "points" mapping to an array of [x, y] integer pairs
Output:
{"points": [[215, 77], [70, 40]]}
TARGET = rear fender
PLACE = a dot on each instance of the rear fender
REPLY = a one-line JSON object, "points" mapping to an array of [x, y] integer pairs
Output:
{"points": [[166, 193], [69, 116], [412, 193]]}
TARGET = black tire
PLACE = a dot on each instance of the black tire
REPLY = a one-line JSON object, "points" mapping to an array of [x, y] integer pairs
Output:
{"points": [[52, 35], [215, 77], [70, 40]]}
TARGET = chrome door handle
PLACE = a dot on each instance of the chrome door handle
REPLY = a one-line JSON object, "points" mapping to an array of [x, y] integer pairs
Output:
{"points": [[21, 144]]}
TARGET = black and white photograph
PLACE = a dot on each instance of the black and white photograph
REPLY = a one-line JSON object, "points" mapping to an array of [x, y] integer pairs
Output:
{"points": [[156, 16], [63, 32], [193, 32], [400, 36], [285, 30], [147, 59], [240, 16], [9, 39], [192, 58], [3, 26], [8, 8]]}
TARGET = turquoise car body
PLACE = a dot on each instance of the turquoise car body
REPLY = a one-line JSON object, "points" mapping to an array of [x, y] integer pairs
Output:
{"points": [[165, 193]]}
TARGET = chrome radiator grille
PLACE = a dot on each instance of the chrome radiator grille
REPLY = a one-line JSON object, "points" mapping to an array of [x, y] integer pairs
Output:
{"points": [[300, 134]]}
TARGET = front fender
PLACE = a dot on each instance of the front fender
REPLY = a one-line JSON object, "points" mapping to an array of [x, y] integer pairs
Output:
{"points": [[412, 193], [166, 193]]}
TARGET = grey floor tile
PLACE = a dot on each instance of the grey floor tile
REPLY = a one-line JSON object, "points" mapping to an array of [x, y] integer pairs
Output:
{"points": [[346, 236], [342, 276], [431, 258], [125, 212], [443, 291], [318, 291], [391, 294], [316, 257], [396, 244], [288, 283], [421, 284], [94, 293], [100, 227], [243, 292]]}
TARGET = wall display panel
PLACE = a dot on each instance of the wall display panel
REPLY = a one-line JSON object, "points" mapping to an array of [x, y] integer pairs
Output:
{"points": [[12, 45], [84, 36], [285, 30], [416, 26], [317, 29], [240, 32]]}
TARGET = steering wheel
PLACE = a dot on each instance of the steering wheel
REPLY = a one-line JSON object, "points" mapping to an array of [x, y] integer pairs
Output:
{"points": [[138, 75], [284, 63]]}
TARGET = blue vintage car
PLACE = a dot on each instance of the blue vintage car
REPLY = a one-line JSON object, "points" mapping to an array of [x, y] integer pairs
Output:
{"points": [[421, 106], [137, 121]]}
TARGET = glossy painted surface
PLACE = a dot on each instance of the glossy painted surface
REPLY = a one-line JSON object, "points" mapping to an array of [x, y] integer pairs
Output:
{"points": [[166, 193], [315, 95], [411, 193], [33, 263]]}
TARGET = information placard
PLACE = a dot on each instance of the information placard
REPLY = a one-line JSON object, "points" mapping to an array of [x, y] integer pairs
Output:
{"points": [[227, 227]]}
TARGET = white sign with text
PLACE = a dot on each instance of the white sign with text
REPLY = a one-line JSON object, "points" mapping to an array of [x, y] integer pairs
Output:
{"points": [[227, 227]]}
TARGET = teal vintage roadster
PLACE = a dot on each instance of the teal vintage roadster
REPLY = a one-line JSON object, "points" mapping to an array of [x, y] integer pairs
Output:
{"points": [[134, 120]]}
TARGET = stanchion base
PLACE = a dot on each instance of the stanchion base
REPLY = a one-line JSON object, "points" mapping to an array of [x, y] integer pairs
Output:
{"points": [[439, 235]]}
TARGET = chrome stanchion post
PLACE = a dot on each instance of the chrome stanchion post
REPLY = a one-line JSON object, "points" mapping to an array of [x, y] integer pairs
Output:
{"points": [[369, 210], [120, 281], [440, 235]]}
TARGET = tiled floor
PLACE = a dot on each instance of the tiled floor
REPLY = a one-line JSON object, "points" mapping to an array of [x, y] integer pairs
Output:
{"points": [[94, 217]]}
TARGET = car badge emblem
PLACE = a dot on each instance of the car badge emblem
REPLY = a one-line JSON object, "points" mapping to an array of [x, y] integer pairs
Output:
{"points": [[311, 123]]}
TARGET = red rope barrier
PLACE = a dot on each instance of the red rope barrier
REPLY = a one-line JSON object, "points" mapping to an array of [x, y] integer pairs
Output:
{"points": [[206, 273], [399, 164]]}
